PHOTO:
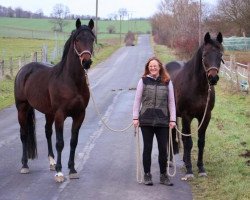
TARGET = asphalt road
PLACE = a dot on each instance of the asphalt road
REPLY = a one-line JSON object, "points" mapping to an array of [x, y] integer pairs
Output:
{"points": [[105, 160]]}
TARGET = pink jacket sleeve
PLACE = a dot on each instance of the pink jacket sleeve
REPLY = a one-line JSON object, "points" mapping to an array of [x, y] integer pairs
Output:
{"points": [[137, 102], [171, 102]]}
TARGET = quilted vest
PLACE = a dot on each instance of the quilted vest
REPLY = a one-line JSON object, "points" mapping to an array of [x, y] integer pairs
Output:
{"points": [[154, 110]]}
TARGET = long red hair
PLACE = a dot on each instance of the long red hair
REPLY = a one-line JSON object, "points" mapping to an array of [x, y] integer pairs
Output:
{"points": [[165, 77]]}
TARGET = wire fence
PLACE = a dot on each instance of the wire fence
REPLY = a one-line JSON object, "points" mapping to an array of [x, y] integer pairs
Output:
{"points": [[10, 67], [237, 74], [237, 43]]}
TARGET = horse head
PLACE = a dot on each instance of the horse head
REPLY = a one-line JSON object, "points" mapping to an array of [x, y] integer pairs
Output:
{"points": [[83, 38], [212, 57]]}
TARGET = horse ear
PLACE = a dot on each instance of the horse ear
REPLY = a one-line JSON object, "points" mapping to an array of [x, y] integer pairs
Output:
{"points": [[219, 37], [207, 38], [91, 24], [78, 23]]}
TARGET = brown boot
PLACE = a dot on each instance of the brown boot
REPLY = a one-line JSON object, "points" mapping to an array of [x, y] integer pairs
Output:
{"points": [[165, 180]]}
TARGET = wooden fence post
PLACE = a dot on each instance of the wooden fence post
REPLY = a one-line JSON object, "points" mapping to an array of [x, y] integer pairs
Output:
{"points": [[248, 73], [1, 72], [232, 68], [237, 78], [19, 63], [34, 57], [2, 68], [24, 60], [11, 67]]}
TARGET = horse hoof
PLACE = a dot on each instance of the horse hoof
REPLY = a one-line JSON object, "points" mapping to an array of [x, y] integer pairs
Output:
{"points": [[52, 167], [25, 171], [59, 177], [187, 177], [74, 176], [52, 164], [202, 174]]}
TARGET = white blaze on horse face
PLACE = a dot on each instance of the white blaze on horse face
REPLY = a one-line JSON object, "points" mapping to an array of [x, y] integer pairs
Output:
{"points": [[154, 68]]}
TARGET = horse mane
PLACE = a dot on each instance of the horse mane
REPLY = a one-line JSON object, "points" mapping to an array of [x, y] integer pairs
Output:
{"points": [[66, 48], [195, 61]]}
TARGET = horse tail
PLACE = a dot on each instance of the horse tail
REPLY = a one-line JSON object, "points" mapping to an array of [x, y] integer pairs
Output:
{"points": [[31, 143]]}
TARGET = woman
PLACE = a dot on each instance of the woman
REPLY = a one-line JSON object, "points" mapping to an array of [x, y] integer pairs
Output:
{"points": [[154, 111]]}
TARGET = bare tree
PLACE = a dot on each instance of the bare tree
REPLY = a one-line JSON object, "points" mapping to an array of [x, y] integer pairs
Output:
{"points": [[59, 14], [237, 13], [18, 12], [39, 13], [177, 24], [122, 12]]}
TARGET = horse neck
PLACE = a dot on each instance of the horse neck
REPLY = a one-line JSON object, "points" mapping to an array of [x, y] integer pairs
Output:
{"points": [[72, 67]]}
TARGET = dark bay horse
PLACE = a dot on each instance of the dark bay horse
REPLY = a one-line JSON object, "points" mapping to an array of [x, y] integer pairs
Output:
{"points": [[58, 92], [192, 82]]}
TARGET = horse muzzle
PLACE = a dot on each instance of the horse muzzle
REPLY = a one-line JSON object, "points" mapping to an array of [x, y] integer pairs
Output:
{"points": [[212, 75], [85, 59], [213, 79], [86, 63]]}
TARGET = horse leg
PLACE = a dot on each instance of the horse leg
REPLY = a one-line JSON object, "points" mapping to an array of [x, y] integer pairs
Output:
{"points": [[201, 143], [188, 145], [76, 125], [24, 139], [26, 119], [48, 132], [59, 122]]}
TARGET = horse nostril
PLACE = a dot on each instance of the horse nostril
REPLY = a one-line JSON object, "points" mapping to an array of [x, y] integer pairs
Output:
{"points": [[213, 79], [86, 64]]}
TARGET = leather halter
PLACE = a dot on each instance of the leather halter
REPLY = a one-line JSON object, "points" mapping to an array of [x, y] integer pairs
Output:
{"points": [[81, 53], [84, 51]]}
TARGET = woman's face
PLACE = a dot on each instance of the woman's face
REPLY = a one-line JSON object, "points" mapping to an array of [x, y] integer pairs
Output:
{"points": [[154, 68]]}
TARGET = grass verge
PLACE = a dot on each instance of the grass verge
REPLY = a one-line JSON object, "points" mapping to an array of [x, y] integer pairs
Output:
{"points": [[227, 151]]}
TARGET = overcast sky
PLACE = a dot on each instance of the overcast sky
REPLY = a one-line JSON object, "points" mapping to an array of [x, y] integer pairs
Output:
{"points": [[136, 8]]}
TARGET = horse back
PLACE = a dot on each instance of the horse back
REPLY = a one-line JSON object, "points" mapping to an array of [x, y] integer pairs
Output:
{"points": [[190, 98], [174, 67]]}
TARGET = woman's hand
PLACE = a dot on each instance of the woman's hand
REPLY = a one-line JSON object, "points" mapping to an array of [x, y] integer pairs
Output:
{"points": [[172, 125], [136, 123]]}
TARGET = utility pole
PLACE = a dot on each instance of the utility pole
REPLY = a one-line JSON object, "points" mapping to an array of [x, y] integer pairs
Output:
{"points": [[96, 21], [120, 29], [200, 24]]}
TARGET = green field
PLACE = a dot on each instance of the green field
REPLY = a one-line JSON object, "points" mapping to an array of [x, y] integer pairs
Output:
{"points": [[21, 37], [42, 28]]}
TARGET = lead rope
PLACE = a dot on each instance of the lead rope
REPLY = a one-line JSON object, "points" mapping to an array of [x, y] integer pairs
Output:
{"points": [[139, 172], [99, 114], [171, 151]]}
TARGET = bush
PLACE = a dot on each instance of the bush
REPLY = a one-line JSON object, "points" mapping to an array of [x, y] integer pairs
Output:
{"points": [[111, 29], [129, 39]]}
